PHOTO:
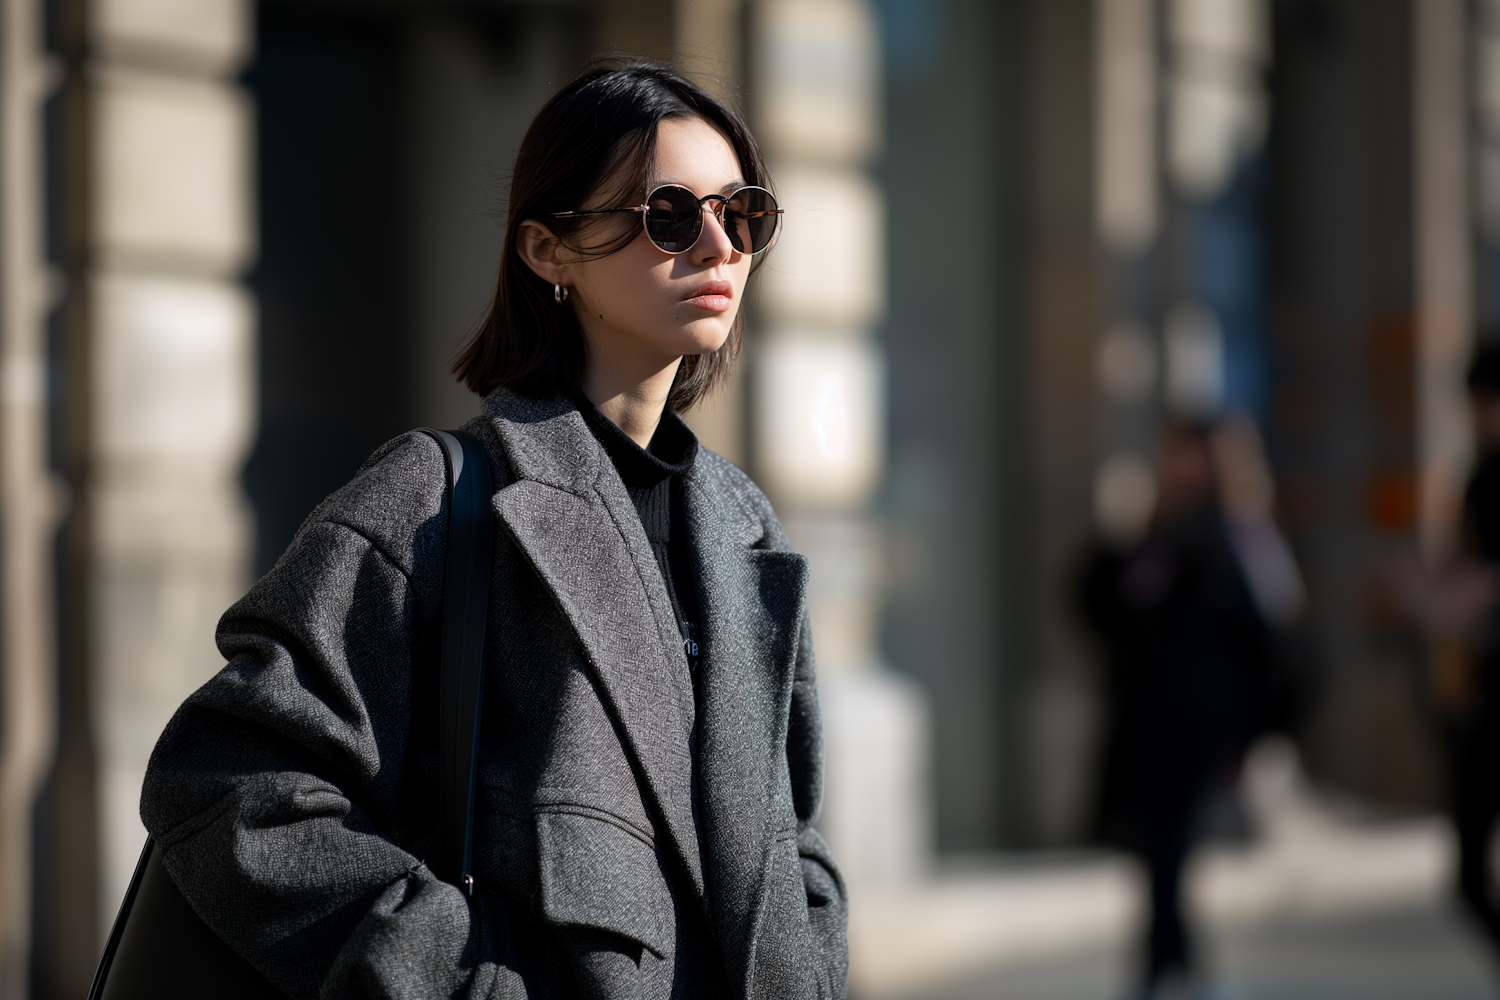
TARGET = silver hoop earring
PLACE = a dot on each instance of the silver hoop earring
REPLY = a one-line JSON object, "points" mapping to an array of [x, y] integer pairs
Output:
{"points": [[560, 293]]}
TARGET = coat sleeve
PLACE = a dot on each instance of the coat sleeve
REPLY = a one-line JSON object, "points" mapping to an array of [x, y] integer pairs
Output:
{"points": [[827, 896], [275, 789]]}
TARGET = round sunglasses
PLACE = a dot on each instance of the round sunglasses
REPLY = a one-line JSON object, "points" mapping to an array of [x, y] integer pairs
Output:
{"points": [[673, 217]]}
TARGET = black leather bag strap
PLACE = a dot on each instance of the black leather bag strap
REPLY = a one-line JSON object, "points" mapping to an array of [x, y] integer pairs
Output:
{"points": [[466, 594]]}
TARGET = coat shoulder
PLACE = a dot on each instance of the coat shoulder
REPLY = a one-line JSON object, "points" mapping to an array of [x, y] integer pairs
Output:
{"points": [[396, 500]]}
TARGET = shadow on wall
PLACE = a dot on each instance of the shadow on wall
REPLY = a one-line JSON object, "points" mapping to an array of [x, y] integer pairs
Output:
{"points": [[386, 138]]}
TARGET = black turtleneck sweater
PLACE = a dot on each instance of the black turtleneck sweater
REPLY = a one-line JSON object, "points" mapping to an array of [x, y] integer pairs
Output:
{"points": [[653, 479]]}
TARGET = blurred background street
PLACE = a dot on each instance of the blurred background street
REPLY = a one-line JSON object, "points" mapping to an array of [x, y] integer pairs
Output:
{"points": [[1113, 372]]}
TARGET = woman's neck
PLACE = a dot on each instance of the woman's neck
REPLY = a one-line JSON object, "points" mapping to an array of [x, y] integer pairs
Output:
{"points": [[634, 405]]}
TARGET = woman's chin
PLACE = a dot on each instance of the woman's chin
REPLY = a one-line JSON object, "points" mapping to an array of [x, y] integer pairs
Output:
{"points": [[703, 341]]}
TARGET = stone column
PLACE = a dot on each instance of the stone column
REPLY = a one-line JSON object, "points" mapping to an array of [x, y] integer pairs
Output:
{"points": [[1483, 39], [1444, 228], [157, 381], [1127, 217], [818, 402], [27, 681]]}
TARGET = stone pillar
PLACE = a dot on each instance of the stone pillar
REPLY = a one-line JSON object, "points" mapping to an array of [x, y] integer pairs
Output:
{"points": [[1127, 218], [1444, 260], [27, 681], [818, 403], [1053, 719], [157, 383], [1484, 160]]}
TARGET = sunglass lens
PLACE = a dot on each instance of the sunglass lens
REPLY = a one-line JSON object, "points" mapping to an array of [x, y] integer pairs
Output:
{"points": [[750, 219], [673, 218]]}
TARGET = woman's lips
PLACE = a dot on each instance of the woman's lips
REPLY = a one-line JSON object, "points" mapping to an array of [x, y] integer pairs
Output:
{"points": [[714, 296]]}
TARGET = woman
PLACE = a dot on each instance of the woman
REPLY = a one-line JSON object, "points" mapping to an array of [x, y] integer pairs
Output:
{"points": [[650, 758]]}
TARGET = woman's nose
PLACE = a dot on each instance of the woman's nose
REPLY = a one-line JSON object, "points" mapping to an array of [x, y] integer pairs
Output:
{"points": [[714, 242]]}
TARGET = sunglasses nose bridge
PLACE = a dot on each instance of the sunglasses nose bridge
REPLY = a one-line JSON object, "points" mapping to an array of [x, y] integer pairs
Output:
{"points": [[715, 203]]}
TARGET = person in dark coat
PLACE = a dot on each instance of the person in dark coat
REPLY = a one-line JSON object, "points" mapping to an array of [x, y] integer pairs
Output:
{"points": [[1473, 710], [650, 763], [1183, 620]]}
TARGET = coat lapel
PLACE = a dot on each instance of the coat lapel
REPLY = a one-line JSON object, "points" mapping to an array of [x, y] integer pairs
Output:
{"points": [[570, 515], [752, 600]]}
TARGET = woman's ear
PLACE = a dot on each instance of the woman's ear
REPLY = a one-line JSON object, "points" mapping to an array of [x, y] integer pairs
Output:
{"points": [[539, 249]]}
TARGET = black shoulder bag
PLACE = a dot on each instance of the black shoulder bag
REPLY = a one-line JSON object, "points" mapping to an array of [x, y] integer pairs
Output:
{"points": [[159, 948]]}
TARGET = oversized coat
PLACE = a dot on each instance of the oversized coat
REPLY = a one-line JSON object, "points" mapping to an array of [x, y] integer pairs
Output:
{"points": [[294, 798]]}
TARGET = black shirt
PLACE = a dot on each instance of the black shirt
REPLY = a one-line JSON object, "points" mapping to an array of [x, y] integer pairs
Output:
{"points": [[653, 480]]}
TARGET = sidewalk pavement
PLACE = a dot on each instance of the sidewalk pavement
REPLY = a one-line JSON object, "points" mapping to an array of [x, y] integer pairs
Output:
{"points": [[1315, 866], [1414, 953]]}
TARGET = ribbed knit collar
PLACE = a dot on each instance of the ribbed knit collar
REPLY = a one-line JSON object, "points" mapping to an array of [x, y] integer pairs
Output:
{"points": [[673, 447]]}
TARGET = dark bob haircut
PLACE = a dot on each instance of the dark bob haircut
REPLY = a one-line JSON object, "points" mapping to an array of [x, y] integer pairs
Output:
{"points": [[599, 130]]}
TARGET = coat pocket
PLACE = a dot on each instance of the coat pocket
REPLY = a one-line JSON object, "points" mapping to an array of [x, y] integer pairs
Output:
{"points": [[598, 873]]}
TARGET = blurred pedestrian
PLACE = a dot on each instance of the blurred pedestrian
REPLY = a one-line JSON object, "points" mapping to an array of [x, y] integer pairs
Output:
{"points": [[1186, 617], [650, 762], [1470, 692]]}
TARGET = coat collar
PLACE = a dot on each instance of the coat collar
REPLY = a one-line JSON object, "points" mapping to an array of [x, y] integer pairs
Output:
{"points": [[546, 441]]}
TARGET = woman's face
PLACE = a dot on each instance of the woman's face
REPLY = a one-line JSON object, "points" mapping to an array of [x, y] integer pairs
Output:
{"points": [[642, 306]]}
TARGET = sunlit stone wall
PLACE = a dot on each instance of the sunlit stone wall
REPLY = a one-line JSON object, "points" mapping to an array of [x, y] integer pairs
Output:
{"points": [[28, 501], [818, 405], [170, 372]]}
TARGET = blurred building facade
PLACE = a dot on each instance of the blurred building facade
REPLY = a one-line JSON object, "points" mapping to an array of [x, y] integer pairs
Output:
{"points": [[242, 240], [1172, 208]]}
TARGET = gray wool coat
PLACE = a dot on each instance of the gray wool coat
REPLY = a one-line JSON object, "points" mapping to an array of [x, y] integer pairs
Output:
{"points": [[628, 842]]}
